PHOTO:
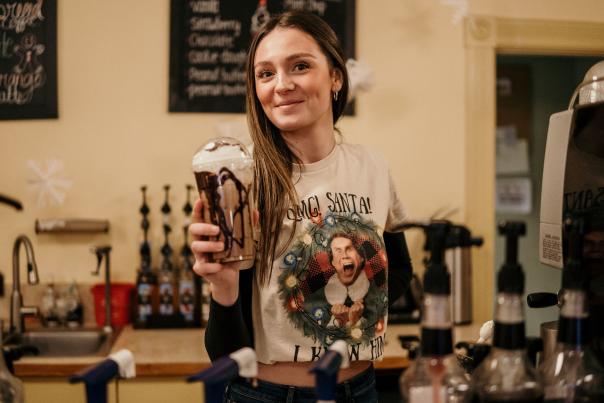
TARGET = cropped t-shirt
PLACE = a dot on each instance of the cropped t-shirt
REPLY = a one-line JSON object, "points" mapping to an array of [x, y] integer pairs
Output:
{"points": [[330, 282]]}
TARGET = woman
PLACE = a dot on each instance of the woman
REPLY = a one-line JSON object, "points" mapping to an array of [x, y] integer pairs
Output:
{"points": [[321, 273]]}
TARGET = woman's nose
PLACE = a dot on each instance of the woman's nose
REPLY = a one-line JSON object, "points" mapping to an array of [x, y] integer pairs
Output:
{"points": [[284, 83]]}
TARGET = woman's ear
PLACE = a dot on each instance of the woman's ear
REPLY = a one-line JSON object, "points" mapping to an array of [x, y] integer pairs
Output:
{"points": [[336, 79]]}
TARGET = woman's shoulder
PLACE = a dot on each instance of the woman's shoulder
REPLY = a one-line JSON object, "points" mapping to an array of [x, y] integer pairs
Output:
{"points": [[363, 153]]}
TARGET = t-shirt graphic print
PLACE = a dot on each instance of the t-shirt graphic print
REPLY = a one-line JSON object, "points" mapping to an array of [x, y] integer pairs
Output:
{"points": [[332, 282]]}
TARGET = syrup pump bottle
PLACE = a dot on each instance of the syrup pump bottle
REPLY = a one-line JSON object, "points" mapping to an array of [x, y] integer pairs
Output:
{"points": [[186, 284], [166, 276], [506, 374], [572, 372], [146, 281], [436, 376]]}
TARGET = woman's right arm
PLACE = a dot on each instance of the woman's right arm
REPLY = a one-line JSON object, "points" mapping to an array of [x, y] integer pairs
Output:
{"points": [[226, 330]]}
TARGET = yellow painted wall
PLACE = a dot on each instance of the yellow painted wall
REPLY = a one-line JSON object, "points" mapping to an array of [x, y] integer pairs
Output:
{"points": [[114, 132]]}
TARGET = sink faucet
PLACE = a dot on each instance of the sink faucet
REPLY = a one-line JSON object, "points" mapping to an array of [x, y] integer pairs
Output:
{"points": [[101, 251], [17, 310]]}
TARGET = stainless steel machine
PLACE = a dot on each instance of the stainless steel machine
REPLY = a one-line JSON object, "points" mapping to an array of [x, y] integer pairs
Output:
{"points": [[573, 182]]}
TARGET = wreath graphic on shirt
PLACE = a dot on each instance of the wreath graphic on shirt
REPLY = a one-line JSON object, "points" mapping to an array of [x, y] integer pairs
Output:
{"points": [[333, 280]]}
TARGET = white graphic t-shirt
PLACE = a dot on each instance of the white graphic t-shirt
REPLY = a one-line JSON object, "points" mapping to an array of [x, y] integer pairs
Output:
{"points": [[331, 281]]}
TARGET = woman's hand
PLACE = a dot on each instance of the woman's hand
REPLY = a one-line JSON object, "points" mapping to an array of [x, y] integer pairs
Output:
{"points": [[223, 278]]}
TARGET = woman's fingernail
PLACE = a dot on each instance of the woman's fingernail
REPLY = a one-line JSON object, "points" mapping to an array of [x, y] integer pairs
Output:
{"points": [[215, 230]]}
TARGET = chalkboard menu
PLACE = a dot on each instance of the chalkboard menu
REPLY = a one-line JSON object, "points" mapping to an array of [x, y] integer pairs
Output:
{"points": [[28, 59], [209, 40]]}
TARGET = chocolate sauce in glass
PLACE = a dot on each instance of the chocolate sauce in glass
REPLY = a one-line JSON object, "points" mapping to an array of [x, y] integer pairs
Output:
{"points": [[226, 203]]}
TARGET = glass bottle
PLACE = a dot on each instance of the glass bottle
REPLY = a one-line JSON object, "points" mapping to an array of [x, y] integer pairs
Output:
{"points": [[11, 388], [436, 376], [572, 373], [506, 374]]}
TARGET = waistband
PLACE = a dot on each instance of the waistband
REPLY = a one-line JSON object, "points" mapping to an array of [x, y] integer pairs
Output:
{"points": [[273, 392]]}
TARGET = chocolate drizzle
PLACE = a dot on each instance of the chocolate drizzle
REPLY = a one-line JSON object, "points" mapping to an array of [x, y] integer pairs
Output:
{"points": [[227, 206]]}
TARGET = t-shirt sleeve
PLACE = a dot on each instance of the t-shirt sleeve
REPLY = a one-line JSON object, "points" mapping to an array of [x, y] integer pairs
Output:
{"points": [[229, 327], [396, 211]]}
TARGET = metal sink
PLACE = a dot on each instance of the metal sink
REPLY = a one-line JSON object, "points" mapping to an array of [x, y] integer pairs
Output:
{"points": [[64, 342]]}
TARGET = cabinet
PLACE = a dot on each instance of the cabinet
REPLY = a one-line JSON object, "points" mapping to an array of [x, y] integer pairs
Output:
{"points": [[148, 389], [59, 390], [159, 390]]}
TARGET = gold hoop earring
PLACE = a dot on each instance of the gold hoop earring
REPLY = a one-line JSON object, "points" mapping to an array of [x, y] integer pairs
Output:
{"points": [[335, 95]]}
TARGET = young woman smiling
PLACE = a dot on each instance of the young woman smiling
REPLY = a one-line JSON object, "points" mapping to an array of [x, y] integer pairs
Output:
{"points": [[292, 304]]}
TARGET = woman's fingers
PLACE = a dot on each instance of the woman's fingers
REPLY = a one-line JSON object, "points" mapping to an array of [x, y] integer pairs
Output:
{"points": [[198, 230], [202, 247]]}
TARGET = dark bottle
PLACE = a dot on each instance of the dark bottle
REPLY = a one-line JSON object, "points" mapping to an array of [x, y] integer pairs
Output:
{"points": [[506, 375], [187, 291], [572, 372], [146, 280], [436, 376], [146, 294], [166, 276]]}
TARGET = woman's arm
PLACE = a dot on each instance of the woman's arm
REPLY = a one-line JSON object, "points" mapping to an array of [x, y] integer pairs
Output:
{"points": [[229, 328], [399, 264]]}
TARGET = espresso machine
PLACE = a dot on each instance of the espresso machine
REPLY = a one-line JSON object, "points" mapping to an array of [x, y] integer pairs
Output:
{"points": [[573, 183]]}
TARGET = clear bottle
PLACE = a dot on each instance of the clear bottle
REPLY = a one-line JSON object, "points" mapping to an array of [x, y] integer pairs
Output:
{"points": [[572, 373], [506, 374], [48, 307], [436, 376], [11, 388], [75, 310]]}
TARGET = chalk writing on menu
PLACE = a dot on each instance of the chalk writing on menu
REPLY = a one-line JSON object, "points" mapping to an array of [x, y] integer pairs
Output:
{"points": [[27, 59], [209, 41]]}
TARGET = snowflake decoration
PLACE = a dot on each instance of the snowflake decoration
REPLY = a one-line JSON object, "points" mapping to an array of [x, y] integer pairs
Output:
{"points": [[48, 182], [460, 7]]}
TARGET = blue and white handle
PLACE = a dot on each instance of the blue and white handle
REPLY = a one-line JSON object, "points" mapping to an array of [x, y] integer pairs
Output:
{"points": [[240, 363], [326, 371], [97, 376]]}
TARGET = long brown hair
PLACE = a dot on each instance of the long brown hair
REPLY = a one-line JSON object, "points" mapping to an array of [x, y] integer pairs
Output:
{"points": [[273, 186]]}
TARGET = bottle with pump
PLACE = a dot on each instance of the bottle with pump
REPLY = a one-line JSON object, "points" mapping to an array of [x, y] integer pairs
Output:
{"points": [[572, 372], [436, 376], [506, 374], [186, 284], [146, 281], [166, 273]]}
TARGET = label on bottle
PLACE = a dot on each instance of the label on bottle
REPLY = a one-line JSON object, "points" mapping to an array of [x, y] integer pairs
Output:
{"points": [[186, 293], [144, 301], [166, 299], [426, 394], [205, 301]]}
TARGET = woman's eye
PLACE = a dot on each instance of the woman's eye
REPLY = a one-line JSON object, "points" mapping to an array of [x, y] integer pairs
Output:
{"points": [[301, 66], [264, 74]]}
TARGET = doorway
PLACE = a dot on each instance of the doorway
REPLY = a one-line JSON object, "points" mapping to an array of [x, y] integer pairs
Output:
{"points": [[529, 89], [485, 39]]}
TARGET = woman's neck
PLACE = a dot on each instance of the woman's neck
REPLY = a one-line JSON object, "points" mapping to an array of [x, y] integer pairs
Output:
{"points": [[310, 145]]}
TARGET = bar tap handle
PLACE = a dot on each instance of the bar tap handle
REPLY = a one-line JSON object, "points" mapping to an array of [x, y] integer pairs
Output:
{"points": [[327, 368], [240, 363]]}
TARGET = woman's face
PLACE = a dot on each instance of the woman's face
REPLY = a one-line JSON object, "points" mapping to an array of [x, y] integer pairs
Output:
{"points": [[294, 81]]}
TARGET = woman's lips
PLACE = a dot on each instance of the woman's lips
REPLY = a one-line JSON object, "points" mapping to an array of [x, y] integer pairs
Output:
{"points": [[288, 103]]}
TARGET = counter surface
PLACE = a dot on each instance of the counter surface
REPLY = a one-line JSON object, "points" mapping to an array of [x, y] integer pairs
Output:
{"points": [[180, 352]]}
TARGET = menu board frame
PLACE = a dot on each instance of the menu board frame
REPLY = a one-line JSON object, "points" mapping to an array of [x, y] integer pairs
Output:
{"points": [[341, 16], [28, 59]]}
